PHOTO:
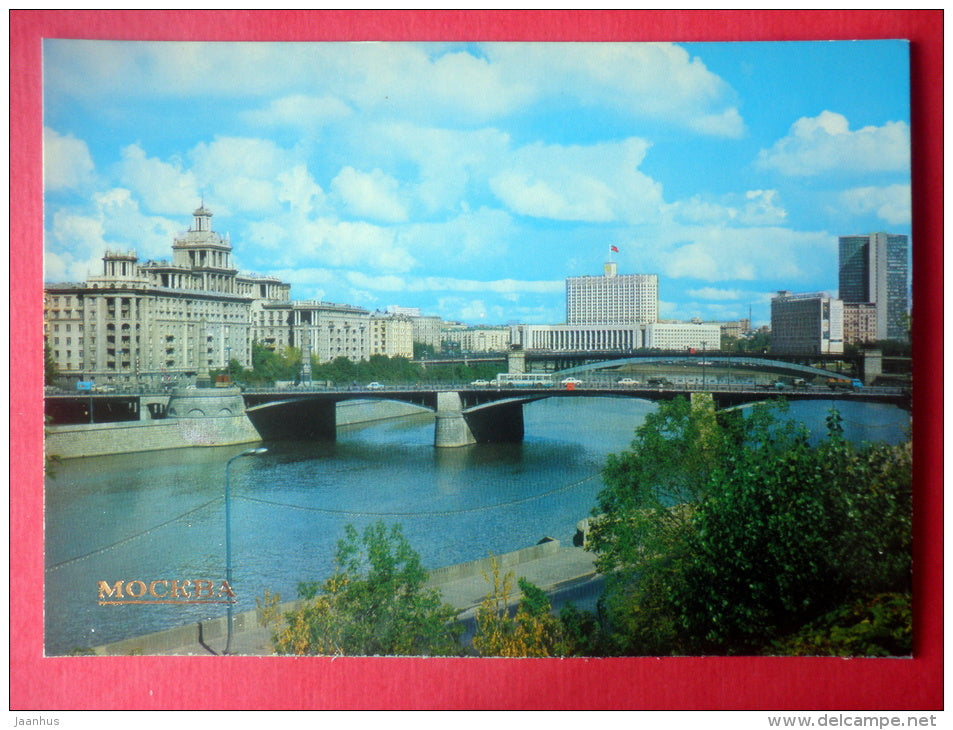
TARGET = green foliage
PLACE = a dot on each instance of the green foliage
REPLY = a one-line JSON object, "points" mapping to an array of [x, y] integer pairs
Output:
{"points": [[376, 603], [81, 651], [582, 634], [267, 366], [531, 631], [397, 370], [720, 536], [646, 503], [423, 350], [50, 371], [877, 626]]}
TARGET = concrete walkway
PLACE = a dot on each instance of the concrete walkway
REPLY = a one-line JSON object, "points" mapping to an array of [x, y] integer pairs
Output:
{"points": [[559, 566]]}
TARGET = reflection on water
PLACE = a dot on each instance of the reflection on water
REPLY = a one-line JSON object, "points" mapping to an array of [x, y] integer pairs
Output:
{"points": [[161, 515]]}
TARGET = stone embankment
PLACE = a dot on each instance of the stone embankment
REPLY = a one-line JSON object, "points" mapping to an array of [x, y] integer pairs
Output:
{"points": [[546, 565], [195, 417]]}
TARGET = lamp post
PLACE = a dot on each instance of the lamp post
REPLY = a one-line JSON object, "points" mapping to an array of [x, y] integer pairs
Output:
{"points": [[228, 536]]}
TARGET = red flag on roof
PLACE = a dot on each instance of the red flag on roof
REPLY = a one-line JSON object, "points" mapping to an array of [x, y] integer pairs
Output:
{"points": [[613, 248]]}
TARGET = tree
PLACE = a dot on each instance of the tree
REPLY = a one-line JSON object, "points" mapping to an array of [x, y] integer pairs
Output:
{"points": [[269, 366], [50, 371], [531, 631], [772, 532], [376, 603]]}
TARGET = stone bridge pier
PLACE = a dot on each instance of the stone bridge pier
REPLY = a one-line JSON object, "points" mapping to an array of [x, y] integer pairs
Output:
{"points": [[491, 422]]}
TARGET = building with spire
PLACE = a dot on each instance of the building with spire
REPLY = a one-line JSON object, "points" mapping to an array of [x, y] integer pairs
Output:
{"points": [[149, 322]]}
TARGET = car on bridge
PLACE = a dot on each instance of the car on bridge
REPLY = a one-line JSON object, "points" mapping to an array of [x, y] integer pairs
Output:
{"points": [[629, 381], [480, 383], [375, 386], [571, 381]]}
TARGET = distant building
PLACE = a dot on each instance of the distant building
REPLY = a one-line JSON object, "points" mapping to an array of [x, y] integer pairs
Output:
{"points": [[328, 331], [392, 335], [478, 339], [736, 329], [611, 298], [427, 330], [159, 321], [578, 337], [806, 324], [406, 311], [873, 269], [860, 323], [683, 336]]}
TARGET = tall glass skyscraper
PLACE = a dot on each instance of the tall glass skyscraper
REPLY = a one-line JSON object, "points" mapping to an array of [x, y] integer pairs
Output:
{"points": [[873, 268]]}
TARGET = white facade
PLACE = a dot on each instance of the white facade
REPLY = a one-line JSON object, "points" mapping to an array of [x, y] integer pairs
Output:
{"points": [[806, 324], [427, 330], [478, 339], [392, 335], [681, 336], [612, 299], [575, 338]]}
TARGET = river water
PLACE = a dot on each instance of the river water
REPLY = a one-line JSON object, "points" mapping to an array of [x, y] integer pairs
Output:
{"points": [[160, 515]]}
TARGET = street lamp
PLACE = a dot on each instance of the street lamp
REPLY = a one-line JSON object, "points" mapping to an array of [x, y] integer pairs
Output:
{"points": [[228, 536]]}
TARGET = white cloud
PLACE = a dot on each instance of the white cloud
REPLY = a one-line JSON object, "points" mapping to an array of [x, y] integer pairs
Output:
{"points": [[595, 183], [387, 282], [713, 294], [472, 236], [369, 195], [891, 203], [755, 207], [297, 242], [163, 187], [75, 242], [67, 164], [449, 164], [74, 247], [760, 208], [657, 80], [825, 143], [321, 82], [246, 156], [298, 188], [442, 283], [718, 253], [299, 111]]}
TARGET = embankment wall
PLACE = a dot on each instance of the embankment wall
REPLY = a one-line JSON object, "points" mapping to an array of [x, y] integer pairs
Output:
{"points": [[100, 439], [191, 637]]}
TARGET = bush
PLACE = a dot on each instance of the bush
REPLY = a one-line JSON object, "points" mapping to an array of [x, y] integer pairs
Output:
{"points": [[375, 604], [761, 534]]}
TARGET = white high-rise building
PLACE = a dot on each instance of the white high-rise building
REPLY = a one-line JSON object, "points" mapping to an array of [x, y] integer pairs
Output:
{"points": [[611, 298]]}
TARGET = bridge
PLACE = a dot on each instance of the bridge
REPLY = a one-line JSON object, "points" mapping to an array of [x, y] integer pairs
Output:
{"points": [[478, 413], [486, 414], [463, 414]]}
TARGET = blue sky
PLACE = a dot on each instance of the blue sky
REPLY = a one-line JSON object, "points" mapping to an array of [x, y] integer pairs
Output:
{"points": [[470, 179]]}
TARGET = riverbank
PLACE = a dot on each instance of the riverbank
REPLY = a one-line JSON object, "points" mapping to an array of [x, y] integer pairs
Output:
{"points": [[76, 441], [547, 565]]}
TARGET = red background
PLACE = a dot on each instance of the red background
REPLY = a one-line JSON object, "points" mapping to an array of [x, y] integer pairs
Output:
{"points": [[38, 683]]}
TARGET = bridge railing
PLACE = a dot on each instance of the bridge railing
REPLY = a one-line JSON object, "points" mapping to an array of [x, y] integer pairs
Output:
{"points": [[582, 386]]}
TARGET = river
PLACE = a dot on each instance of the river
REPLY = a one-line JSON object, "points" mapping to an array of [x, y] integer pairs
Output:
{"points": [[160, 515]]}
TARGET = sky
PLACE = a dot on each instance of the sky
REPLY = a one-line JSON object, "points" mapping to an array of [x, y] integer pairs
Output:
{"points": [[469, 180]]}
